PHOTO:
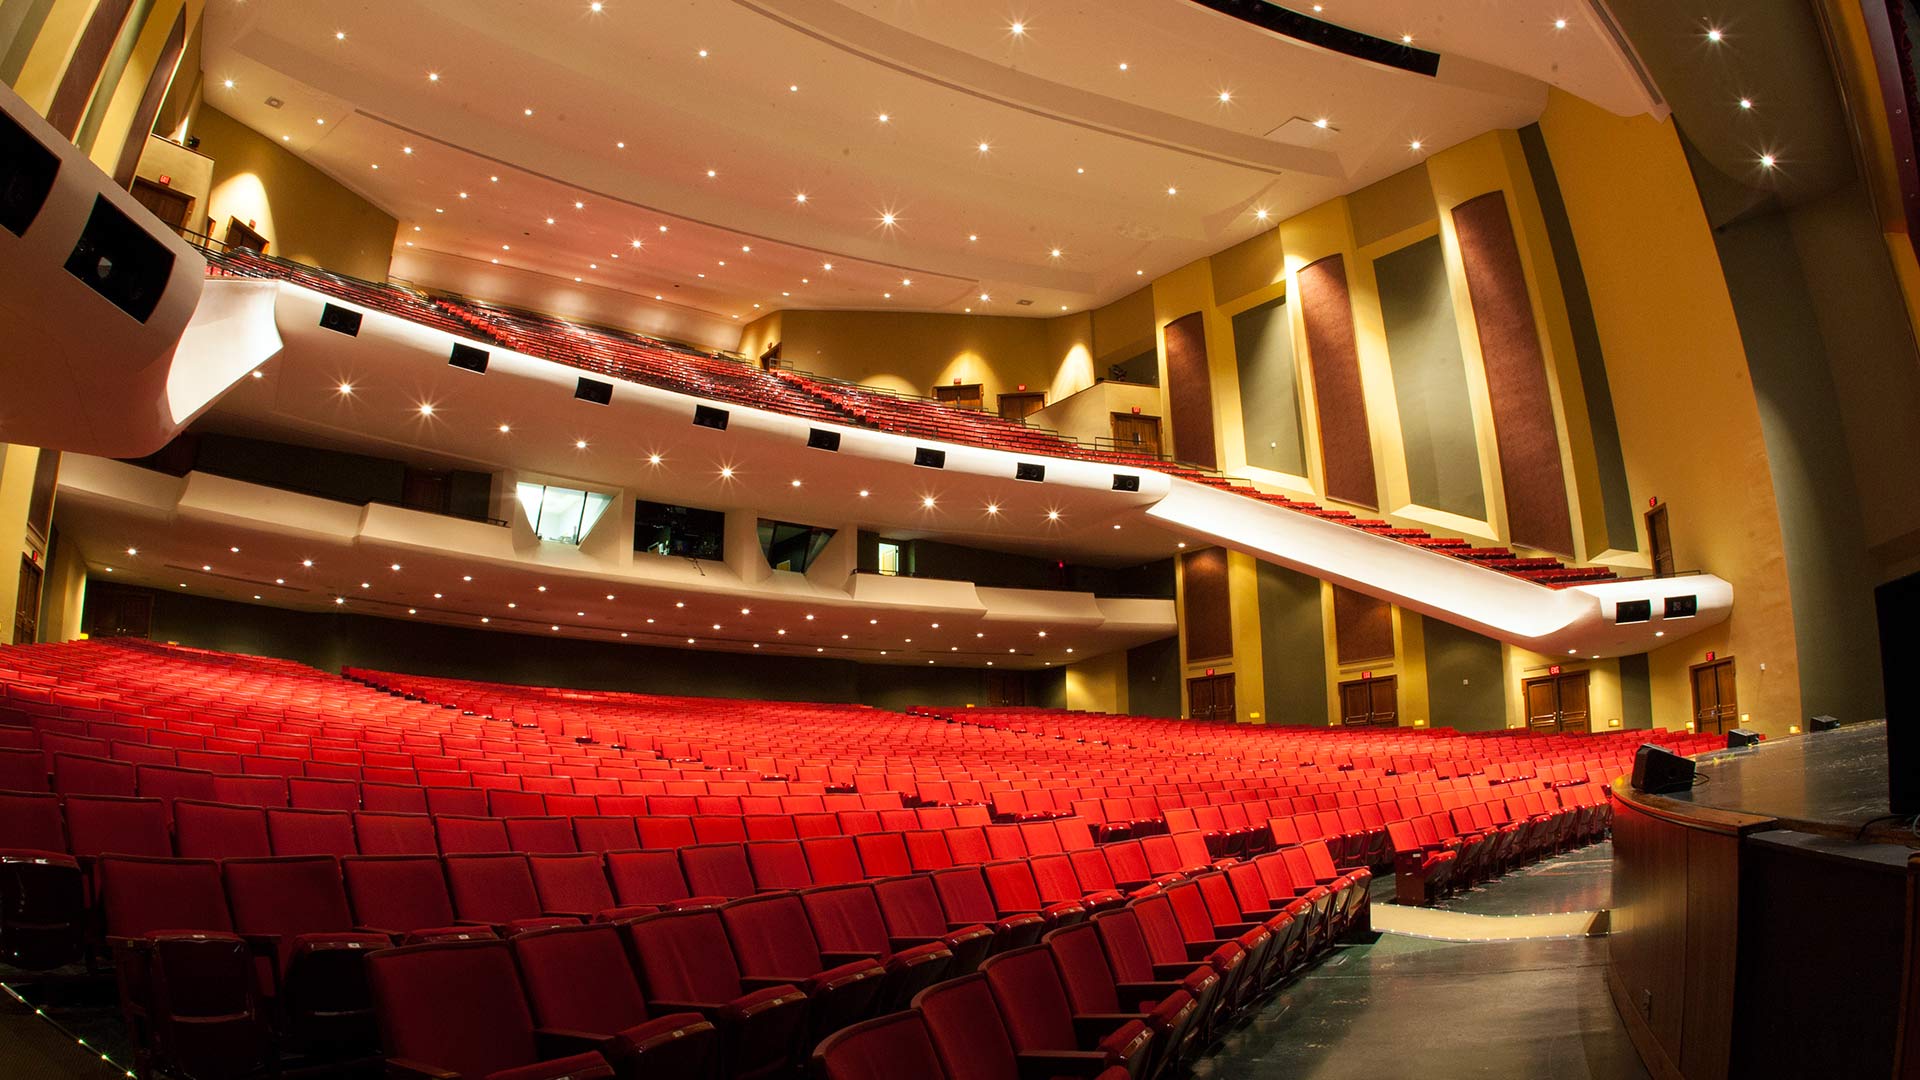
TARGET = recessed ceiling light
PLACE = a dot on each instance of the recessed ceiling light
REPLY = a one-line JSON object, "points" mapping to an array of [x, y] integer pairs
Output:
{"points": [[1321, 123], [1260, 214], [1226, 97], [395, 567], [1123, 65], [206, 569], [510, 604], [726, 472], [653, 459], [228, 84], [1171, 190], [993, 508], [526, 112], [1559, 24], [799, 196], [1746, 103], [286, 138], [703, 54], [793, 89], [1714, 35], [463, 194], [711, 173], [1054, 253], [884, 118], [809, 618], [543, 588], [485, 619], [782, 632], [579, 444], [1415, 145], [663, 228], [262, 374], [1766, 161], [1017, 28], [466, 577], [426, 408], [863, 494], [984, 298], [596, 7], [973, 237], [1053, 515], [308, 563], [433, 76], [887, 217], [622, 146], [319, 119], [926, 502], [1406, 39], [339, 35], [985, 147]]}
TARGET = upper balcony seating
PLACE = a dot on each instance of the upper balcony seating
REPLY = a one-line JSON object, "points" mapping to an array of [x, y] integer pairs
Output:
{"points": [[635, 358]]}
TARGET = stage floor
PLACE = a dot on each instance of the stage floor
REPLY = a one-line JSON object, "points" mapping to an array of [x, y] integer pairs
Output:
{"points": [[1833, 783]]}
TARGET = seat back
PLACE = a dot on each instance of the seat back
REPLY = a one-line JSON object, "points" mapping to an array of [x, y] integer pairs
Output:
{"points": [[574, 884], [491, 888], [204, 830], [608, 832], [1084, 972], [31, 821], [545, 835], [883, 854], [833, 860], [888, 1048], [311, 832], [964, 896], [578, 978], [397, 893], [778, 864], [1125, 945], [717, 870], [911, 906], [646, 877], [847, 919], [381, 833], [287, 896], [1011, 885], [142, 895], [1161, 929], [927, 849], [967, 1031], [685, 956], [1033, 1003], [491, 1030], [458, 835], [771, 936], [105, 824]]}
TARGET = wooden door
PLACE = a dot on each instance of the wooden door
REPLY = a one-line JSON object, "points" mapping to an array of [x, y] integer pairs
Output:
{"points": [[1558, 704], [1210, 697], [167, 204], [1021, 406], [1716, 704], [966, 396], [26, 613], [1139, 434], [1006, 688], [241, 235], [1575, 709], [114, 611], [1660, 541], [1356, 703], [426, 489], [1370, 701]]}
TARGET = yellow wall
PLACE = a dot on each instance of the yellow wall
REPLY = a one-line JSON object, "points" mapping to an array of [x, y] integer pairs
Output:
{"points": [[116, 100], [305, 215], [16, 490], [1605, 707], [63, 594], [1689, 423], [1099, 684]]}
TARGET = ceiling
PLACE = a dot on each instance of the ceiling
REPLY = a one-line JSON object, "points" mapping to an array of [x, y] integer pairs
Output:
{"points": [[662, 149]]}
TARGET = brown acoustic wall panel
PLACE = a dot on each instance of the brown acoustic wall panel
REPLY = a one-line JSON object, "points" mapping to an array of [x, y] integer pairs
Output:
{"points": [[1190, 391], [157, 83], [1362, 627], [1206, 608], [1346, 443], [89, 59], [1523, 422]]}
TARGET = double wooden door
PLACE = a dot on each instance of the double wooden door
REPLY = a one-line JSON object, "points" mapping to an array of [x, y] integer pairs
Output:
{"points": [[1210, 697], [1370, 701], [1022, 405], [1558, 704], [1139, 434], [1716, 705], [964, 396]]}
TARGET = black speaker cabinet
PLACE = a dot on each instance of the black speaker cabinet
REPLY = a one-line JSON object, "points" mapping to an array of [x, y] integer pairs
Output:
{"points": [[1659, 771], [1823, 723], [1740, 736]]}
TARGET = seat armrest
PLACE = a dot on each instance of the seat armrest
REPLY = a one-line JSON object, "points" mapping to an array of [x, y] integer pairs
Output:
{"points": [[407, 1069], [752, 983], [1200, 950], [1090, 1028], [1046, 1064], [565, 1042]]}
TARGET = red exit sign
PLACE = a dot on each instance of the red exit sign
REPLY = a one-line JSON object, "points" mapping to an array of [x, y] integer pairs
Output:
{"points": [[1553, 669], [1710, 656], [1209, 671]]}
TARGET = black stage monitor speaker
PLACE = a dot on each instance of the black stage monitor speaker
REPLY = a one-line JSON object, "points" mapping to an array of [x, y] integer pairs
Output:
{"points": [[1659, 771], [1030, 470], [1823, 723], [709, 417], [928, 458], [822, 439], [1740, 736], [1125, 482], [119, 260], [340, 320], [600, 393], [27, 170], [468, 358], [1633, 611]]}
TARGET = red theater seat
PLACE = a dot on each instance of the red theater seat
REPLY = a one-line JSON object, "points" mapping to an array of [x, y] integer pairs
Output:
{"points": [[579, 979], [686, 965]]}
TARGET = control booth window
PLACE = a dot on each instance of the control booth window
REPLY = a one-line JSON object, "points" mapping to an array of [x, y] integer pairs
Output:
{"points": [[889, 556], [792, 547], [562, 515], [681, 531]]}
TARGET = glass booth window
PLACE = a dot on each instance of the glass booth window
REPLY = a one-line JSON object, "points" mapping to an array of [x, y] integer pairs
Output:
{"points": [[683, 531], [792, 547], [562, 515], [889, 557]]}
